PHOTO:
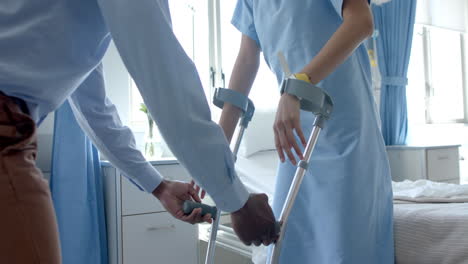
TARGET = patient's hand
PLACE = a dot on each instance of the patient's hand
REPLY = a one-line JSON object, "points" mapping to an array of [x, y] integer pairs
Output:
{"points": [[172, 195], [286, 123]]}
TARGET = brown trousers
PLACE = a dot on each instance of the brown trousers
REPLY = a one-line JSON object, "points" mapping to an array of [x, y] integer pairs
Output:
{"points": [[28, 228]]}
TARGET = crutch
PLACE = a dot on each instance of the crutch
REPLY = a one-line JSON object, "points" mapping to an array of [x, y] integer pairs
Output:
{"points": [[315, 100], [247, 107]]}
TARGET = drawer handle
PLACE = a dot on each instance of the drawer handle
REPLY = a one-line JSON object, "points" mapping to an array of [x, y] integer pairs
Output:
{"points": [[443, 157], [158, 228]]}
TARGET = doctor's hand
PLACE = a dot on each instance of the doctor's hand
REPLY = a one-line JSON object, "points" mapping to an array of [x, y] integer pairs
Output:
{"points": [[197, 189], [255, 222], [172, 195], [286, 123]]}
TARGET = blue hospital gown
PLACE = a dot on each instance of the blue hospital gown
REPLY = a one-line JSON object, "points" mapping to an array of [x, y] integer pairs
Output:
{"points": [[344, 211]]}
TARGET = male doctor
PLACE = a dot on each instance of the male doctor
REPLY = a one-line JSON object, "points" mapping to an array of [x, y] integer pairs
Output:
{"points": [[51, 51]]}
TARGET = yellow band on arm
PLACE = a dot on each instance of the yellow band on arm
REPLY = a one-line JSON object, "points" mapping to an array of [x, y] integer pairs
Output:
{"points": [[303, 77]]}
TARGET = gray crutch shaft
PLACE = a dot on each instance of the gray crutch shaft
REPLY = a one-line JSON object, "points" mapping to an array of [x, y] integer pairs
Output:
{"points": [[247, 107], [294, 189], [210, 254]]}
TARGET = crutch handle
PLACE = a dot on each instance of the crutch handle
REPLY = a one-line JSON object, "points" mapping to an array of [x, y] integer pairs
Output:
{"points": [[189, 206], [239, 100]]}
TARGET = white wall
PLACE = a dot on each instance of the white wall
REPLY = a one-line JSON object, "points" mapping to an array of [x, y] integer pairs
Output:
{"points": [[117, 83]]}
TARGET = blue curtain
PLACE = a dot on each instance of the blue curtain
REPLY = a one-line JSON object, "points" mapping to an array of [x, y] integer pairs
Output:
{"points": [[77, 192], [394, 22]]}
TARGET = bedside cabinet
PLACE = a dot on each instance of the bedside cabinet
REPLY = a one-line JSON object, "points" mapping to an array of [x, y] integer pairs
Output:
{"points": [[139, 229], [434, 163]]}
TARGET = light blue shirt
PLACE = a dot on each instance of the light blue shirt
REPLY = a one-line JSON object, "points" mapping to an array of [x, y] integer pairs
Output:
{"points": [[51, 51]]}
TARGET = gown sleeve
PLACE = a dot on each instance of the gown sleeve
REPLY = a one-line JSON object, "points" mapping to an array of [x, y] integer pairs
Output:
{"points": [[338, 6], [243, 19]]}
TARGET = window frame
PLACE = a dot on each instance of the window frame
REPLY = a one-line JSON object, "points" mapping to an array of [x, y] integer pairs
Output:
{"points": [[429, 87], [216, 77]]}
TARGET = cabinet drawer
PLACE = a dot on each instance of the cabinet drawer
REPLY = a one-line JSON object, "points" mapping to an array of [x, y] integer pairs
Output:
{"points": [[158, 238], [454, 181], [135, 201], [443, 164], [407, 164]]}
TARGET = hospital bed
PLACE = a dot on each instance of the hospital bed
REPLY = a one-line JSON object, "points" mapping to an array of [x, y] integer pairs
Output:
{"points": [[426, 230]]}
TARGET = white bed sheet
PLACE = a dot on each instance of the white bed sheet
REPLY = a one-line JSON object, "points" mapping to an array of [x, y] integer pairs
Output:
{"points": [[258, 172], [424, 232], [431, 233]]}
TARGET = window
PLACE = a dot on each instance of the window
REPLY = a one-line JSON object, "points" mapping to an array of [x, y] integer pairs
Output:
{"points": [[203, 27], [190, 25], [437, 89], [265, 92]]}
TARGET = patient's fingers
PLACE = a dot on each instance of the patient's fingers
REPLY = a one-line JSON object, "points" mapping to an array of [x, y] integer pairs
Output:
{"points": [[286, 145], [279, 149], [292, 141], [300, 134]]}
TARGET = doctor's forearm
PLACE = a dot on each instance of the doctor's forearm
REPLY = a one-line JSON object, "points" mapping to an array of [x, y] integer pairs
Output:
{"points": [[356, 27], [156, 61], [242, 78]]}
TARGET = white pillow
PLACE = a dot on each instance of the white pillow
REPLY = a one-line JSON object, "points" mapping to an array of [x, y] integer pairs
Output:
{"points": [[259, 134]]}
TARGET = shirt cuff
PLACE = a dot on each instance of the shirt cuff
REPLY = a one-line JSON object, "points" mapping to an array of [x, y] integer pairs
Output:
{"points": [[232, 197], [147, 177]]}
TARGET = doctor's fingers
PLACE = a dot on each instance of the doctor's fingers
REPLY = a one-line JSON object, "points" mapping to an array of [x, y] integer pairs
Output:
{"points": [[194, 217], [197, 189], [207, 218], [257, 242], [266, 241], [193, 194]]}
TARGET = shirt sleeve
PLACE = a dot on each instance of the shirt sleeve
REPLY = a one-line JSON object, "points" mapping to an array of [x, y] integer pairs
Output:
{"points": [[172, 91], [98, 117], [243, 19]]}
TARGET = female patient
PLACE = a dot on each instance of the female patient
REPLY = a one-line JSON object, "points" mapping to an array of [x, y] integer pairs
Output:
{"points": [[343, 213]]}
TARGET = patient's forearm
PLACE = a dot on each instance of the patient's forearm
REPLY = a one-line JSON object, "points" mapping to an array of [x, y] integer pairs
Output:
{"points": [[242, 78], [357, 25]]}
